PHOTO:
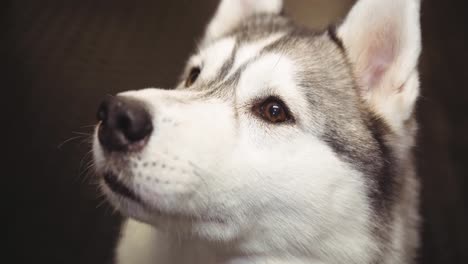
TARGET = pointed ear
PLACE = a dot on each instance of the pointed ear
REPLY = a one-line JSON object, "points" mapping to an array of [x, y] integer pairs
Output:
{"points": [[232, 12], [383, 42]]}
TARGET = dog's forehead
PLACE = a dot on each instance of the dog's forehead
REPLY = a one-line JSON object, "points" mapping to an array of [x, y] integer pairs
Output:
{"points": [[277, 58], [224, 60]]}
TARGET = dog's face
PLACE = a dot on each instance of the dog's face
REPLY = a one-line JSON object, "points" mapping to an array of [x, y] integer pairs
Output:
{"points": [[273, 130]]}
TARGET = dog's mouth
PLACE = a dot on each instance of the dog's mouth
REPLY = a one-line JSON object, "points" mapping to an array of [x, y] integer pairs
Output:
{"points": [[111, 180], [119, 188]]}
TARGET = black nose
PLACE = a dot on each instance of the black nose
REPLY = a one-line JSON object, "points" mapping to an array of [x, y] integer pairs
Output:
{"points": [[125, 123]]}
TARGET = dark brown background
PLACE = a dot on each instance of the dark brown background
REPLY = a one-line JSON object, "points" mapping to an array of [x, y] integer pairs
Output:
{"points": [[61, 57]]}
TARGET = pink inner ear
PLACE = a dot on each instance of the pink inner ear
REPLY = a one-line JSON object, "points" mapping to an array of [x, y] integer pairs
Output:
{"points": [[380, 54], [373, 74]]}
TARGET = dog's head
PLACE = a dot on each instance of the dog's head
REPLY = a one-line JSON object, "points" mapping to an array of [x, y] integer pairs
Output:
{"points": [[273, 131]]}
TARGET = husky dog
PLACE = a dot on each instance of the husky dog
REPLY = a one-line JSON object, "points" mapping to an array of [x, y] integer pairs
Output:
{"points": [[279, 145]]}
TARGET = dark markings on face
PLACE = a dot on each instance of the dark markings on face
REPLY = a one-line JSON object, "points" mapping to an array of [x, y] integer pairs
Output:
{"points": [[227, 66], [351, 130], [373, 157], [334, 37], [223, 85], [261, 26], [386, 183], [223, 71], [254, 29]]}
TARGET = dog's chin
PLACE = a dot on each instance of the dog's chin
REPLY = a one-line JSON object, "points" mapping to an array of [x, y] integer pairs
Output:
{"points": [[134, 205]]}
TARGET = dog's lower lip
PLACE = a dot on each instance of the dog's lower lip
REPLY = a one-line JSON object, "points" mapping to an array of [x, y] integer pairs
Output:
{"points": [[116, 186]]}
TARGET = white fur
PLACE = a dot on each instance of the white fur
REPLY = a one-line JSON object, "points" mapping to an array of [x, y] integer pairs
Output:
{"points": [[240, 189], [383, 41], [231, 12], [214, 56], [250, 50], [220, 185]]}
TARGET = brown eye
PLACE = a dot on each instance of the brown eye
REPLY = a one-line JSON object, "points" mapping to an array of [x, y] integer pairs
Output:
{"points": [[192, 77], [273, 110]]}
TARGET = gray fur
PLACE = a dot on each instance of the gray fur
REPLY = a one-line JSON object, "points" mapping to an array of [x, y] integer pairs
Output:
{"points": [[334, 183], [358, 135]]}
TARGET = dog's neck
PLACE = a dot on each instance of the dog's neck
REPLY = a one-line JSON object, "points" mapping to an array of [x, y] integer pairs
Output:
{"points": [[198, 252], [144, 244]]}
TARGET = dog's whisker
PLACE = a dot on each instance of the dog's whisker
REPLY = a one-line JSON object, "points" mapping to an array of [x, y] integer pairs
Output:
{"points": [[86, 156], [68, 140], [87, 173], [82, 133], [88, 126]]}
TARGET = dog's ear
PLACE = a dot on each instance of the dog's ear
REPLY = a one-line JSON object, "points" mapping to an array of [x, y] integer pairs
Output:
{"points": [[231, 12], [382, 39]]}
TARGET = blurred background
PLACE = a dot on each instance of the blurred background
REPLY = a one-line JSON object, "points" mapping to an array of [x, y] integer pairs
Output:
{"points": [[61, 57]]}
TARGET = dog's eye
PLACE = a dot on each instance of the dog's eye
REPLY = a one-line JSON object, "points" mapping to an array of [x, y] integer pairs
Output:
{"points": [[273, 110], [192, 77]]}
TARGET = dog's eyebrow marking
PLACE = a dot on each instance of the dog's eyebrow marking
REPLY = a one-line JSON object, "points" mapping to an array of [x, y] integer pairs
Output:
{"points": [[215, 56], [242, 55], [249, 50], [224, 88], [223, 71]]}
